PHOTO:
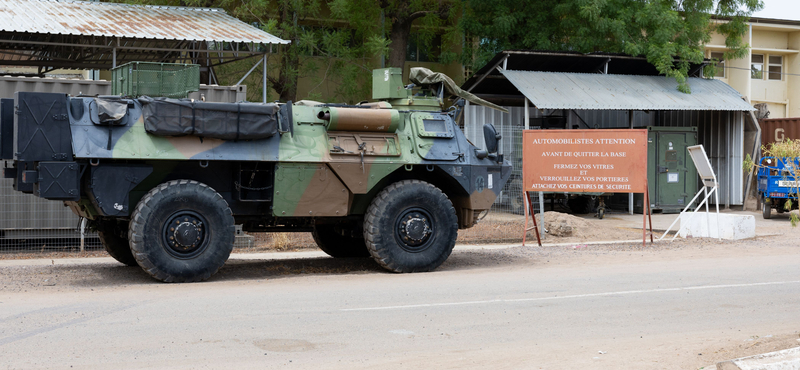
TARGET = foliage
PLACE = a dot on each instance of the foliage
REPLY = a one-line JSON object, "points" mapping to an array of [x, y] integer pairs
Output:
{"points": [[660, 30], [394, 18], [335, 59]]}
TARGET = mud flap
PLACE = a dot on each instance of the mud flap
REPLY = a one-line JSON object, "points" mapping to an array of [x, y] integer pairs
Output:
{"points": [[111, 185]]}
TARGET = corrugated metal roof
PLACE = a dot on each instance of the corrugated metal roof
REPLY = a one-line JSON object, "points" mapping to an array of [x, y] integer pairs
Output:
{"points": [[127, 21], [548, 90]]}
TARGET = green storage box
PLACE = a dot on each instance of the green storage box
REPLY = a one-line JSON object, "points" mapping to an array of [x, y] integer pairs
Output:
{"points": [[155, 79], [387, 83]]}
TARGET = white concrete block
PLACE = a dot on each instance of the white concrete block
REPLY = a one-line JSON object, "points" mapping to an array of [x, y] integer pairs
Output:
{"points": [[731, 227]]}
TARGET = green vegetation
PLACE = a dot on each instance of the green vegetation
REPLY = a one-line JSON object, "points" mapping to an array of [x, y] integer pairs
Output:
{"points": [[661, 30], [341, 41]]}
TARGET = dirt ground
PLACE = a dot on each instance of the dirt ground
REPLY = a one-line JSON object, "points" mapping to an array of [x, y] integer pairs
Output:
{"points": [[494, 228]]}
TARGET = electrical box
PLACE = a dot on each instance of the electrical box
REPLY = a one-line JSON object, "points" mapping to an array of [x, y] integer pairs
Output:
{"points": [[387, 83], [671, 175]]}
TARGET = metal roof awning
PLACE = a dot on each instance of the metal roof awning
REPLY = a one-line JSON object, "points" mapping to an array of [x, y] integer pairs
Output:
{"points": [[549, 90], [83, 18]]}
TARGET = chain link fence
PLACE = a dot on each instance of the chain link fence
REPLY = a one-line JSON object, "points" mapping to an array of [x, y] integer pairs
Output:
{"points": [[32, 224]]}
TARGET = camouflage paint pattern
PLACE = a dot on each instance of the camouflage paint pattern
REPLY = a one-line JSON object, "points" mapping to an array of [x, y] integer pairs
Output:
{"points": [[319, 171], [309, 190]]}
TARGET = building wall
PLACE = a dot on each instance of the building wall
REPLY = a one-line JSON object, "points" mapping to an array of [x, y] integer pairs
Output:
{"points": [[769, 40]]}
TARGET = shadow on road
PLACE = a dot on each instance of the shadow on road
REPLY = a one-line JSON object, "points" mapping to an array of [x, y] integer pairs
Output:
{"points": [[97, 275]]}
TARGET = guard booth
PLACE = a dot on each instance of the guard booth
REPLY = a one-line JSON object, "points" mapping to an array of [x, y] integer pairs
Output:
{"points": [[562, 90]]}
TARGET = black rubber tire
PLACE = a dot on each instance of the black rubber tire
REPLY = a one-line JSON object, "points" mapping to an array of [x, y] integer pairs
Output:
{"points": [[390, 207], [329, 238], [601, 212], [766, 210], [113, 234], [156, 211], [780, 207]]}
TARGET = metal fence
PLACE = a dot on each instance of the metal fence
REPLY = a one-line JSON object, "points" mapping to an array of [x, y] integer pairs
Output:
{"points": [[29, 223]]}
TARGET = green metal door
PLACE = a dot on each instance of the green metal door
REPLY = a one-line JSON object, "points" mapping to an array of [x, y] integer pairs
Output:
{"points": [[672, 176]]}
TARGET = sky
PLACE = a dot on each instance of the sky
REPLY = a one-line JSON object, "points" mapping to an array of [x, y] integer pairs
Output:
{"points": [[780, 9]]}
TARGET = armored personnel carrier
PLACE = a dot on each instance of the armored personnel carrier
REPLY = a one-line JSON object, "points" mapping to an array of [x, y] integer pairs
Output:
{"points": [[164, 181]]}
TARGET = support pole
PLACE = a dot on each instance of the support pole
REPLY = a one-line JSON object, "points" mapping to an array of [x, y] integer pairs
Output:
{"points": [[716, 197], [114, 57], [630, 195], [533, 215], [541, 194], [83, 234], [526, 125], [541, 210], [264, 81], [645, 216], [249, 72]]}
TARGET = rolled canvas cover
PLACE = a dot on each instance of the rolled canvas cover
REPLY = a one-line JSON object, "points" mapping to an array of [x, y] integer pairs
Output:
{"points": [[227, 121]]}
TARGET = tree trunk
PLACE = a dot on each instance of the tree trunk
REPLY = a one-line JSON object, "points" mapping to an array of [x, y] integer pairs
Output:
{"points": [[290, 64], [399, 36], [286, 83]]}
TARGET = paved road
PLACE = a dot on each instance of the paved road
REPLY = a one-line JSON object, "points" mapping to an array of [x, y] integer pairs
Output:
{"points": [[500, 309]]}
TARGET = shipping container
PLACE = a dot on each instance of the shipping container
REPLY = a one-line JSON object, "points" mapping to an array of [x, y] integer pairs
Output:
{"points": [[778, 129]]}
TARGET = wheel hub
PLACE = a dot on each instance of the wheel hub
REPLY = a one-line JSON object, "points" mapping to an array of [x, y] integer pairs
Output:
{"points": [[184, 233], [414, 228]]}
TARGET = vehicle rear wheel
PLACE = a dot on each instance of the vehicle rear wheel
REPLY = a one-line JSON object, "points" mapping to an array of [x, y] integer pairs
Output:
{"points": [[780, 207], [182, 231], [113, 235], [766, 209], [340, 240], [410, 226]]}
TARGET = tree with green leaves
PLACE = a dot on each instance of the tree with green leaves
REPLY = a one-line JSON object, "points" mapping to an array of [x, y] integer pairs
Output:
{"points": [[321, 48], [336, 41], [661, 30], [339, 40], [392, 20]]}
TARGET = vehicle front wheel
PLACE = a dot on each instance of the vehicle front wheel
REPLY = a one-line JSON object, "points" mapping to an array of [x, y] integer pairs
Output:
{"points": [[766, 209], [182, 231], [410, 226]]}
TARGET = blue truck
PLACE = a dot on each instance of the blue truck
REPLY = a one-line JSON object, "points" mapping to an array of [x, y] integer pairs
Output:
{"points": [[777, 184]]}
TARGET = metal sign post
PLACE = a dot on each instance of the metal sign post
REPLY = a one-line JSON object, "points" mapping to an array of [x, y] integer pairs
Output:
{"points": [[529, 211], [646, 214], [709, 180]]}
